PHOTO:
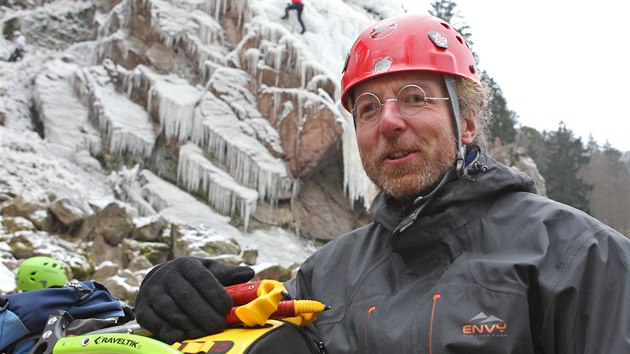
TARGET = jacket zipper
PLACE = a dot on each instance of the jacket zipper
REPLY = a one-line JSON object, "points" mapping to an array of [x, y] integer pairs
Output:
{"points": [[367, 324], [436, 297], [315, 345]]}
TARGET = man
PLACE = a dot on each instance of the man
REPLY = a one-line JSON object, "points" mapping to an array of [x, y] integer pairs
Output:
{"points": [[462, 256], [298, 6], [20, 46]]}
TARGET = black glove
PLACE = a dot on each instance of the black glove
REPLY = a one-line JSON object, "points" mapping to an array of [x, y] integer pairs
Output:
{"points": [[185, 298]]}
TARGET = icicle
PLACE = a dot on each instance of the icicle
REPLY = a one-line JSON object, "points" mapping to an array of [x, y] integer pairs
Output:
{"points": [[252, 55], [356, 184], [277, 99], [217, 10], [196, 174], [243, 156], [303, 73], [80, 87], [209, 30], [150, 95], [176, 103], [198, 133]]}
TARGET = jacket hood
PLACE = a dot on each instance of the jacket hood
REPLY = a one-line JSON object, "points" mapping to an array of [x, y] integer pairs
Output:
{"points": [[487, 177]]}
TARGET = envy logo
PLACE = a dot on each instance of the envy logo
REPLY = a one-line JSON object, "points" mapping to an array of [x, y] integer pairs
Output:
{"points": [[484, 325]]}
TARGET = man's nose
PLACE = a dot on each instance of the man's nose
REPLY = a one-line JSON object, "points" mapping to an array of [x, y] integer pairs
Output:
{"points": [[391, 119], [389, 106]]}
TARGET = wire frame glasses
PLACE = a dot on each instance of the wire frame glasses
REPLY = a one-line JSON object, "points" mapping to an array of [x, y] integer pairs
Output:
{"points": [[411, 100]]}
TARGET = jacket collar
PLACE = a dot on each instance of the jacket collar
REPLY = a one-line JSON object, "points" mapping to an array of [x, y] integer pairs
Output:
{"points": [[486, 177]]}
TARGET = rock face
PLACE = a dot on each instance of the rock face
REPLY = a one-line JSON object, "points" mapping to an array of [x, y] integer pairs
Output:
{"points": [[517, 158], [215, 132]]}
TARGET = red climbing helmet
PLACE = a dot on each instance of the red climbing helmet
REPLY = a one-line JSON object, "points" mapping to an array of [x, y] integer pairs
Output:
{"points": [[407, 43]]}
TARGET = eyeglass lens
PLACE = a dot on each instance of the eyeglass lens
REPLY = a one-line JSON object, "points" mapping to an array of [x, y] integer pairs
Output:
{"points": [[411, 99]]}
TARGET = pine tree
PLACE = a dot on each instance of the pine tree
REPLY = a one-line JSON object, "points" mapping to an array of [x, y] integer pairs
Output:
{"points": [[564, 156], [503, 124], [533, 141], [592, 147], [607, 171]]}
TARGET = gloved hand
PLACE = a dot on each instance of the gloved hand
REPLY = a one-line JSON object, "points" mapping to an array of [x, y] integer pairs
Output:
{"points": [[185, 298]]}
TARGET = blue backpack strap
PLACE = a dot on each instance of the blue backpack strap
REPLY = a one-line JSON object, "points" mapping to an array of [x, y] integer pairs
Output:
{"points": [[11, 327]]}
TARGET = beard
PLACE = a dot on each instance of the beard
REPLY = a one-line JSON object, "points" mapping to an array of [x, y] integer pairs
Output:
{"points": [[407, 182]]}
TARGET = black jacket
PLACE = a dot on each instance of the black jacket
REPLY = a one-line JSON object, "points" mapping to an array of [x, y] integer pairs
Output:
{"points": [[489, 267]]}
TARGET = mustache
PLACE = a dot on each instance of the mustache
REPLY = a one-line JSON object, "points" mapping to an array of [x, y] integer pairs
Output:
{"points": [[401, 144], [409, 144]]}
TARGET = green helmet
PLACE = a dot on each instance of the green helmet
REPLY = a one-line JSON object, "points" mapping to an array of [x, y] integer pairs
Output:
{"points": [[39, 273]]}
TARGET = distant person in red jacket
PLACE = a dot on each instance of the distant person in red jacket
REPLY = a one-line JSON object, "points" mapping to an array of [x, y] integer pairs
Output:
{"points": [[295, 5]]}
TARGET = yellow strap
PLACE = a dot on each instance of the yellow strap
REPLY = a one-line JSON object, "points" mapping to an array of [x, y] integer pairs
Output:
{"points": [[195, 347]]}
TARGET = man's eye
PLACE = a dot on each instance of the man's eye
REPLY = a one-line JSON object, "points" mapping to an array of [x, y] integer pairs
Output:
{"points": [[367, 108], [413, 99]]}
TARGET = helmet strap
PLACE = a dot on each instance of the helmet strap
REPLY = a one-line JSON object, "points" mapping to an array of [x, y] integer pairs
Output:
{"points": [[451, 88], [459, 169]]}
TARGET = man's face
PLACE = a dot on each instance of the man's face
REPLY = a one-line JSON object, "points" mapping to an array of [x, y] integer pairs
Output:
{"points": [[406, 155]]}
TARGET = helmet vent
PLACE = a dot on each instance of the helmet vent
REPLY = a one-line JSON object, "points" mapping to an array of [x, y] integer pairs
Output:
{"points": [[459, 39], [446, 25]]}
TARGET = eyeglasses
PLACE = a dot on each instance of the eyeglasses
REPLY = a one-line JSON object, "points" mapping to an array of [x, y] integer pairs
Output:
{"points": [[411, 99]]}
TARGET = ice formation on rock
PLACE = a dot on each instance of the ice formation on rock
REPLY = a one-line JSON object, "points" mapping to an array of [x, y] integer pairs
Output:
{"points": [[196, 174], [219, 132]]}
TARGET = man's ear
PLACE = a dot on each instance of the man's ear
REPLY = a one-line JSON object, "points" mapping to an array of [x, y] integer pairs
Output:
{"points": [[469, 130]]}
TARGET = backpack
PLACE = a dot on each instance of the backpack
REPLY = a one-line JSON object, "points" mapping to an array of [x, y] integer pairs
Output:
{"points": [[23, 316]]}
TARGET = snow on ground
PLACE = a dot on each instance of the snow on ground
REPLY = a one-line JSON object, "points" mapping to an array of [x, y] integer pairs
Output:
{"points": [[29, 169]]}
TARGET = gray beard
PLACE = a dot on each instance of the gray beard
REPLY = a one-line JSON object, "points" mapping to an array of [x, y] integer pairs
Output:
{"points": [[409, 182]]}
